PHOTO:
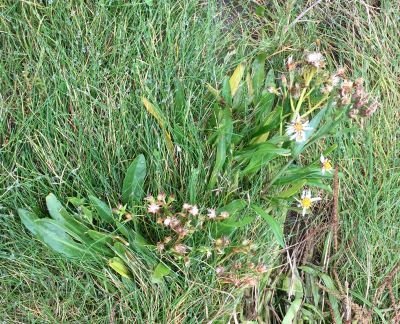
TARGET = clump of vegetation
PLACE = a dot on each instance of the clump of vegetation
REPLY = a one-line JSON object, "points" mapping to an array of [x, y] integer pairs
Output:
{"points": [[285, 118]]}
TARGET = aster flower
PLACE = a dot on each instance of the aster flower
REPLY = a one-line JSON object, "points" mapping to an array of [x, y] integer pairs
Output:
{"points": [[326, 164], [180, 248], [315, 59], [194, 210], [153, 208], [297, 128], [306, 201], [211, 213]]}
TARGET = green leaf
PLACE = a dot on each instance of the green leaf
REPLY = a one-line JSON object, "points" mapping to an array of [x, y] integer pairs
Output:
{"points": [[99, 237], [103, 210], [179, 96], [28, 219], [160, 271], [294, 189], [119, 266], [277, 229], [58, 212], [223, 142], [233, 207], [77, 202], [226, 92], [162, 121], [55, 236], [258, 73], [132, 188], [332, 290], [214, 92], [292, 311], [263, 149], [149, 2], [296, 173], [267, 98]]}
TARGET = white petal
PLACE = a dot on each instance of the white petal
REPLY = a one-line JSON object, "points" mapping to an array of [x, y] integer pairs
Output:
{"points": [[323, 171], [308, 194], [322, 159], [304, 211]]}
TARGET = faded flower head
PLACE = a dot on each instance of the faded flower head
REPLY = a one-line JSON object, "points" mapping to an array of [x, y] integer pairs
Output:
{"points": [[161, 197], [316, 59], [153, 208], [224, 215], [180, 249]]}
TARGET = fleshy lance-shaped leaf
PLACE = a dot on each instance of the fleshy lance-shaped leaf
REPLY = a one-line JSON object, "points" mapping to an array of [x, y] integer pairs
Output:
{"points": [[223, 142], [292, 311], [226, 92], [277, 229], [103, 210], [258, 72], [236, 77], [55, 236], [58, 212], [267, 98], [160, 271], [132, 188], [28, 219], [292, 190]]}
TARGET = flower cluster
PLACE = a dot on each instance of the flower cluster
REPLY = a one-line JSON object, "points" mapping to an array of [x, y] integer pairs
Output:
{"points": [[181, 223], [307, 80], [307, 87]]}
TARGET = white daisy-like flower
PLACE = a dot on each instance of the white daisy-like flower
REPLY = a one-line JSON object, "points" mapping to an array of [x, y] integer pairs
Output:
{"points": [[194, 210], [306, 201], [316, 59], [153, 208], [211, 213], [167, 221], [297, 129], [326, 164]]}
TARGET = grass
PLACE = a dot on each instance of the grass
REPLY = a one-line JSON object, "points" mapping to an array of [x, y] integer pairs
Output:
{"points": [[71, 120]]}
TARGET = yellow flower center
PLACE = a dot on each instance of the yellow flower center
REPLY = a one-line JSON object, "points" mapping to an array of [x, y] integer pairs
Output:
{"points": [[306, 202], [327, 165], [298, 127]]}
